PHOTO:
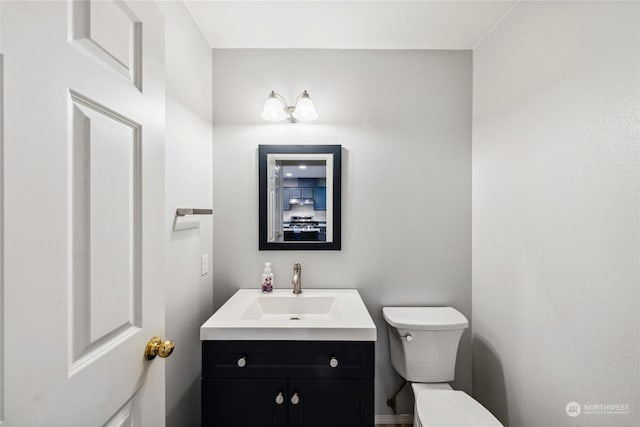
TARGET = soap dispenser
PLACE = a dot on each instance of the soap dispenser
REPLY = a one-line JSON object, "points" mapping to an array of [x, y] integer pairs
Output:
{"points": [[267, 278]]}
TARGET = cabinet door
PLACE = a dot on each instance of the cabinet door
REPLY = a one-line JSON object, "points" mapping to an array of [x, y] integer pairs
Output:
{"points": [[307, 182], [331, 402], [320, 198], [285, 199], [244, 403], [295, 193], [307, 193]]}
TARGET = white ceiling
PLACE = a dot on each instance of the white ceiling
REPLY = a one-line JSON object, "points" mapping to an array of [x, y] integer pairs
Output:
{"points": [[447, 24]]}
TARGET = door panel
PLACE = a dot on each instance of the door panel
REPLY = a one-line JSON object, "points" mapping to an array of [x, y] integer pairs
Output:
{"points": [[126, 416], [111, 32], [105, 291], [84, 203]]}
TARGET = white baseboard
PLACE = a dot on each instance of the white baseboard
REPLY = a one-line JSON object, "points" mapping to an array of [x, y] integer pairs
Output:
{"points": [[394, 419]]}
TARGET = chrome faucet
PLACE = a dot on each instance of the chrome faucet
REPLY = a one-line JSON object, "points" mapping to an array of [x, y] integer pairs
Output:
{"points": [[297, 279]]}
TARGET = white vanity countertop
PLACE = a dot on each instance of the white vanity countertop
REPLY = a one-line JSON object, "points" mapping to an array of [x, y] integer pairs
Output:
{"points": [[313, 315]]}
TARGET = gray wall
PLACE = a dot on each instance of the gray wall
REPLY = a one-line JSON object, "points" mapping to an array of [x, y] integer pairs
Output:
{"points": [[189, 296], [404, 121], [555, 213]]}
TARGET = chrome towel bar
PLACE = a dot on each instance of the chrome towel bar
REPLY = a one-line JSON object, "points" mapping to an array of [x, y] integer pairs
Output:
{"points": [[187, 211]]}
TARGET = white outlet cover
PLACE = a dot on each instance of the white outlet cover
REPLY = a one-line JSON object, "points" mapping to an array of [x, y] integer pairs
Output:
{"points": [[204, 264]]}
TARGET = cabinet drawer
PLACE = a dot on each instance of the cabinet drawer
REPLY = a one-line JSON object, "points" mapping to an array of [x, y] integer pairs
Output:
{"points": [[274, 359]]}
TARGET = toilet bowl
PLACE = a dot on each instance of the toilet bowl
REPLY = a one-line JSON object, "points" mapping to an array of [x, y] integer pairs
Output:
{"points": [[423, 344]]}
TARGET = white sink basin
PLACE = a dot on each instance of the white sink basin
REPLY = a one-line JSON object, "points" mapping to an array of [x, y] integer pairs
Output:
{"points": [[292, 307], [313, 315]]}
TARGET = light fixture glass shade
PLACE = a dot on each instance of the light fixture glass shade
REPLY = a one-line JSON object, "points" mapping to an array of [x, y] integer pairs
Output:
{"points": [[305, 111], [273, 109]]}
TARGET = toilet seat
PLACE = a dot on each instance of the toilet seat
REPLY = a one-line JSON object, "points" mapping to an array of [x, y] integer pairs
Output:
{"points": [[437, 407]]}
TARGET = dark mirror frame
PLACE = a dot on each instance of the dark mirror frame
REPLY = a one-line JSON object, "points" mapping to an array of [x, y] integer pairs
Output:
{"points": [[263, 152]]}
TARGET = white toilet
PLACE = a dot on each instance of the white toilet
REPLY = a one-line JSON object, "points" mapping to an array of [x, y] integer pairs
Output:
{"points": [[423, 342]]}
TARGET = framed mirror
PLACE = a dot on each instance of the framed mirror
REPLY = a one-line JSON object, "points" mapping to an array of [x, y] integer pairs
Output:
{"points": [[299, 202]]}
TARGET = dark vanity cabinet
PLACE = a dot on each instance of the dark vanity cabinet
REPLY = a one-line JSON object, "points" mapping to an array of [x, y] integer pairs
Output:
{"points": [[287, 383], [243, 402]]}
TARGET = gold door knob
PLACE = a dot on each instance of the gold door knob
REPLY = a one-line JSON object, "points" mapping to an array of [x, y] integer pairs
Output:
{"points": [[158, 347]]}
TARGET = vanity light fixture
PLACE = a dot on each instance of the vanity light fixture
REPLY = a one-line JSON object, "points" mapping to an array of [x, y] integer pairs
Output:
{"points": [[276, 108]]}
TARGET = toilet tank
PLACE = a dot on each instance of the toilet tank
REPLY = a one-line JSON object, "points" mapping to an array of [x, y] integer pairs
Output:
{"points": [[423, 341]]}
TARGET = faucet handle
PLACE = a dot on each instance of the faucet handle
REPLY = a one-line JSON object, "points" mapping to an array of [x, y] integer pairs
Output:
{"points": [[296, 279]]}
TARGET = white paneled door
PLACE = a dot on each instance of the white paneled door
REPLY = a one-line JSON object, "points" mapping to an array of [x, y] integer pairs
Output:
{"points": [[83, 213]]}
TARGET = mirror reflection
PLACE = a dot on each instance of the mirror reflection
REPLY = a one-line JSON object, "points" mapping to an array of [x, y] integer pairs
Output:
{"points": [[300, 202], [299, 197]]}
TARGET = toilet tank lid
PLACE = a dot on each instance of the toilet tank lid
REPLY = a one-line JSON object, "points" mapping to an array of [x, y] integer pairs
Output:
{"points": [[425, 318]]}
